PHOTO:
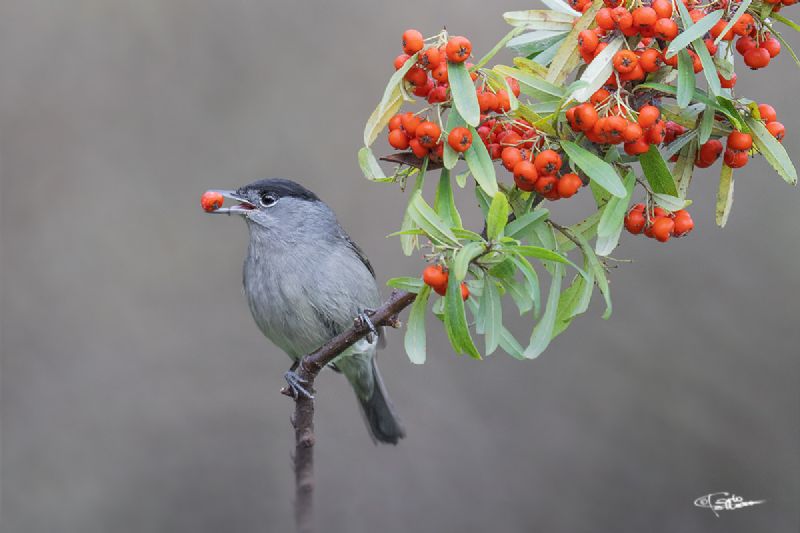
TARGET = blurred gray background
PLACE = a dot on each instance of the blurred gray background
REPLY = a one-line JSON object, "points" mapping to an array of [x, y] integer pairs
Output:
{"points": [[138, 396]]}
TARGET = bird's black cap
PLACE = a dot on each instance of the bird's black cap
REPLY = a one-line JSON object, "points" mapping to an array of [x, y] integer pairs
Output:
{"points": [[280, 188]]}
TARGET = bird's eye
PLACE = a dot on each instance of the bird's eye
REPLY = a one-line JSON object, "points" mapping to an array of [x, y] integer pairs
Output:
{"points": [[268, 199]]}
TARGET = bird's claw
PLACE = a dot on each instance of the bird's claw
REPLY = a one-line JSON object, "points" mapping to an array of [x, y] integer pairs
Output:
{"points": [[296, 386], [364, 320]]}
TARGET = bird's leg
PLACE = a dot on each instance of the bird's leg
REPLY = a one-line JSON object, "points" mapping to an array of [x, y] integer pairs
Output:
{"points": [[297, 385], [364, 320]]}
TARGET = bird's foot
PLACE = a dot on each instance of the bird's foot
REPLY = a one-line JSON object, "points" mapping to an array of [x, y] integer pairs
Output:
{"points": [[364, 320], [296, 386]]}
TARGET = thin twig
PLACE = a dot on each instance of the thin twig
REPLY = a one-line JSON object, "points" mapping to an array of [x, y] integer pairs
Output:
{"points": [[303, 419]]}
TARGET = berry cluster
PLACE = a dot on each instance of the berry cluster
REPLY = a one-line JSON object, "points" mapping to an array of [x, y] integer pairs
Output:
{"points": [[657, 223], [436, 277]]}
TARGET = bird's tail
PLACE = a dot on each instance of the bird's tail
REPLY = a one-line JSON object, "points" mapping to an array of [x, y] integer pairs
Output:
{"points": [[382, 422]]}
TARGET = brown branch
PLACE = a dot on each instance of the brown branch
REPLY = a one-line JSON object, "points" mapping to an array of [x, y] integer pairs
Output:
{"points": [[303, 419]]}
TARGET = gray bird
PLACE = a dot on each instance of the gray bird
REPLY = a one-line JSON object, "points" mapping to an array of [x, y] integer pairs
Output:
{"points": [[305, 281]]}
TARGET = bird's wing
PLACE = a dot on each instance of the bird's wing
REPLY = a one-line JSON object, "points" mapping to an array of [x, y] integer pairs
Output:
{"points": [[360, 253]]}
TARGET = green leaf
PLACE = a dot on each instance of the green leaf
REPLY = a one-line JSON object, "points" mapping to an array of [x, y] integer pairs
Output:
{"points": [[369, 165], [466, 234], [520, 226], [499, 46], [543, 331], [539, 253], [465, 256], [596, 267], [498, 216], [567, 55], [480, 164], [706, 125], [414, 340], [427, 219], [562, 7], [657, 173], [772, 150], [536, 42], [724, 196], [380, 117], [692, 31], [531, 279], [531, 18], [567, 304], [598, 70], [520, 295], [685, 167], [699, 96], [736, 118], [450, 157], [390, 102], [410, 242], [611, 221], [445, 203], [736, 16], [686, 79], [462, 88], [598, 170], [780, 18], [670, 203], [407, 284], [492, 310], [510, 345], [455, 320], [675, 146], [531, 83]]}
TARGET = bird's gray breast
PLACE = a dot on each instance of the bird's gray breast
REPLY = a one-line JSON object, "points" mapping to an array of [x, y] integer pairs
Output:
{"points": [[303, 294]]}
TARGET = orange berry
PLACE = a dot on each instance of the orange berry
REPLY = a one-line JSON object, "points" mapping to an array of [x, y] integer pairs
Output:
{"points": [[435, 276], [464, 291], [430, 59], [547, 162], [662, 228], [428, 134], [666, 29], [648, 115], [644, 17], [419, 150], [634, 221], [398, 139], [211, 201], [776, 129], [767, 112], [545, 184], [625, 61], [460, 139], [650, 60], [568, 185], [510, 156], [739, 141], [525, 175], [458, 49], [400, 60], [412, 42], [439, 73]]}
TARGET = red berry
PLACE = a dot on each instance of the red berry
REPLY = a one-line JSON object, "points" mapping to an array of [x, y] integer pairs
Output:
{"points": [[771, 45], [525, 175], [428, 134], [398, 139], [458, 49], [648, 115], [412, 42], [568, 185], [211, 201], [464, 291], [739, 141], [757, 58], [547, 162], [662, 228], [767, 112], [776, 129], [460, 139]]}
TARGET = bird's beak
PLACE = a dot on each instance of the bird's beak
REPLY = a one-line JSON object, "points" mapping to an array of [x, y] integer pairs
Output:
{"points": [[243, 207]]}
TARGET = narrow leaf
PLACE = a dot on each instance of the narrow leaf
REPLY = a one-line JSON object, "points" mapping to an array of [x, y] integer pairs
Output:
{"points": [[380, 117], [535, 16], [686, 79], [541, 88], [464, 257], [498, 216], [610, 226], [369, 165], [567, 54], [724, 196], [445, 203], [480, 164], [657, 173], [693, 31], [414, 340], [598, 170], [772, 150], [598, 70], [407, 284], [520, 226], [499, 46], [543, 331], [427, 219], [462, 88], [492, 312], [455, 320]]}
